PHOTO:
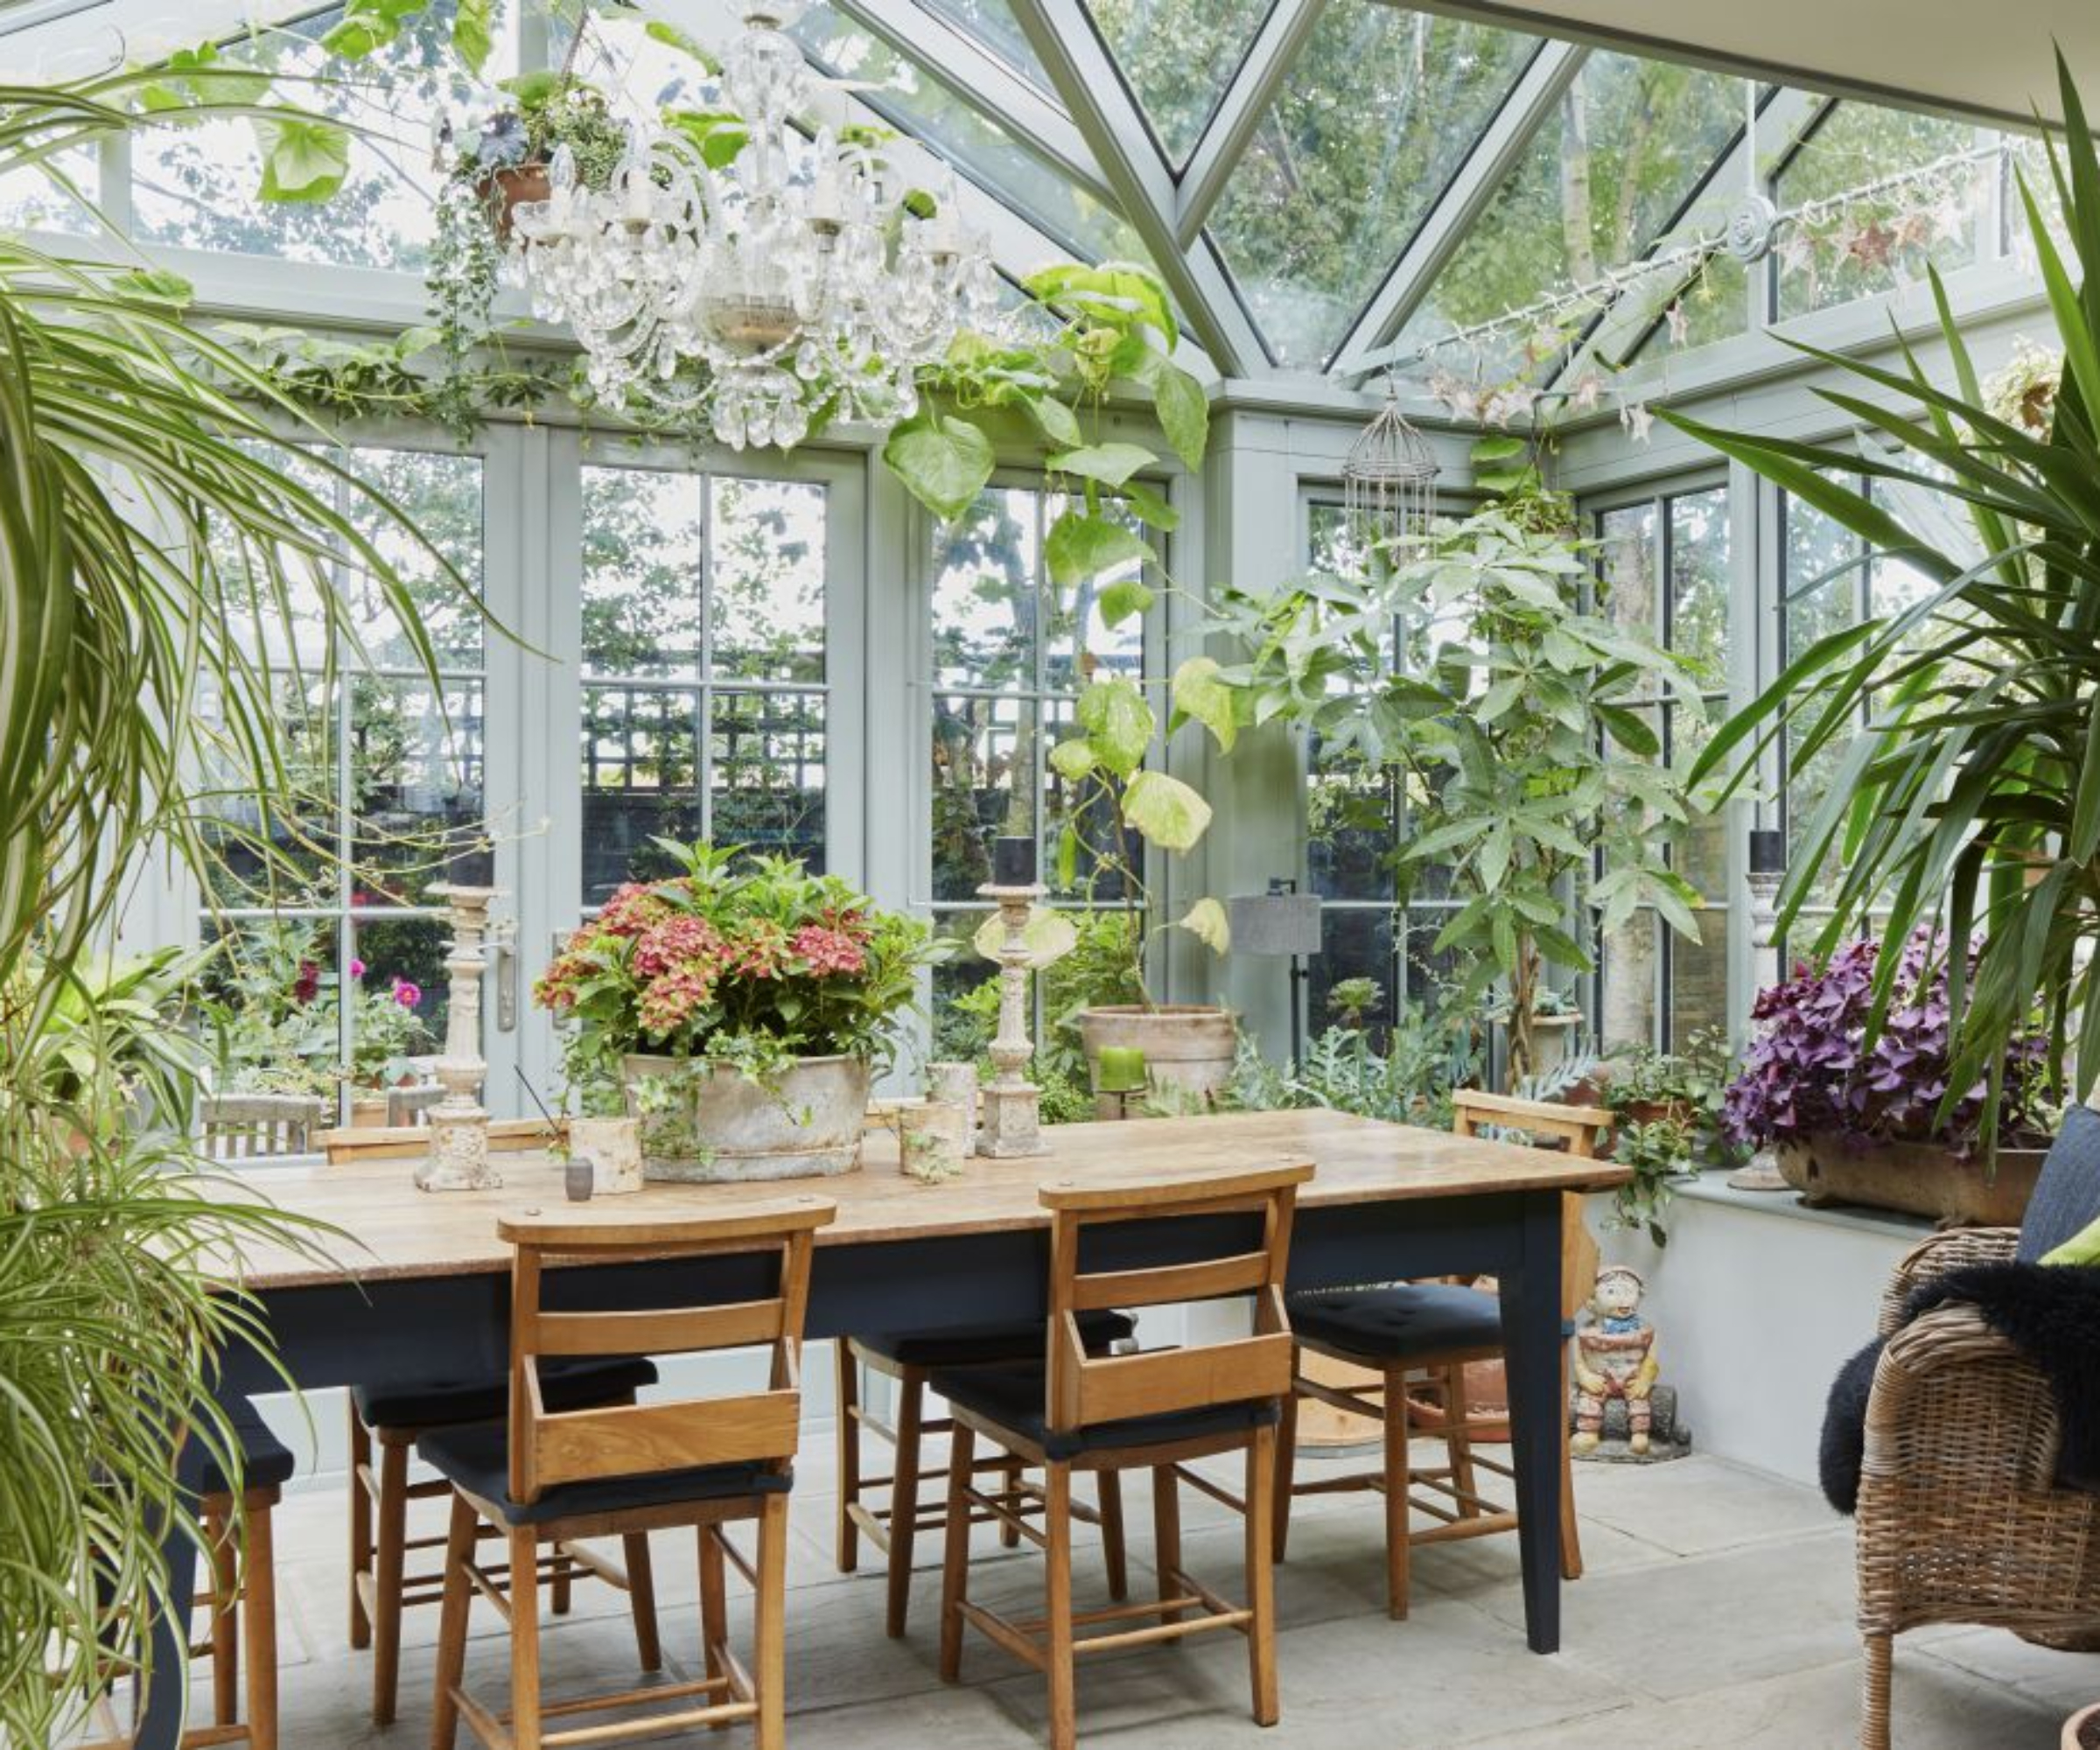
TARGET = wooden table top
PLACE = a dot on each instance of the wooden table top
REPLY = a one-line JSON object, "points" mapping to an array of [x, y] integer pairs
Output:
{"points": [[403, 1232]]}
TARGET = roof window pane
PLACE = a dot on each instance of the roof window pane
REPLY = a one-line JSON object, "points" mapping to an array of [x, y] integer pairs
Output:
{"points": [[915, 101], [993, 27], [200, 187], [1179, 56], [1613, 165], [1854, 249], [1379, 109]]}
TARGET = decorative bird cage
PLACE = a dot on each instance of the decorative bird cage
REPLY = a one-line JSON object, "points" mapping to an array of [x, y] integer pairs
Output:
{"points": [[1389, 481]]}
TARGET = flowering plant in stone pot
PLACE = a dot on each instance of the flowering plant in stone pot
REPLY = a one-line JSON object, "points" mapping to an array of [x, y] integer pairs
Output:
{"points": [[1860, 1114], [745, 1004]]}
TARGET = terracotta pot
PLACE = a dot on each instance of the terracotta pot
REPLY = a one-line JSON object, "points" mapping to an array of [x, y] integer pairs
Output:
{"points": [[1188, 1048], [367, 1111], [505, 191], [719, 1126], [1918, 1179], [2081, 1730]]}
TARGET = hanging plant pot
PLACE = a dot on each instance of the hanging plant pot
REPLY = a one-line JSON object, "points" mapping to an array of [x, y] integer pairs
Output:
{"points": [[1916, 1179], [503, 192], [1188, 1050]]}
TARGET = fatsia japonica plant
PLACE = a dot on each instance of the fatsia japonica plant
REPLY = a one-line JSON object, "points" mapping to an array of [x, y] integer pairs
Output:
{"points": [[1966, 796], [1520, 720]]}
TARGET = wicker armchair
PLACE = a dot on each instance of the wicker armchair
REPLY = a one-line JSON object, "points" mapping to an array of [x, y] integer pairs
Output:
{"points": [[1959, 1519]]}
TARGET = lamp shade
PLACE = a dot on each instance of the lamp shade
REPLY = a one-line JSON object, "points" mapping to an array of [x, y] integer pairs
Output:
{"points": [[1275, 923]]}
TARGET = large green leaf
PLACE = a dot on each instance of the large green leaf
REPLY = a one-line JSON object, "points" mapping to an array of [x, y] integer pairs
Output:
{"points": [[1209, 923], [944, 461], [1080, 546], [473, 32], [304, 162], [1200, 693], [1109, 464], [1166, 811], [1119, 724], [1184, 411]]}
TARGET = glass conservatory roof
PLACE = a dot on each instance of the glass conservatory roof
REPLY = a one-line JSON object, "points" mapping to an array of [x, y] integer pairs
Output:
{"points": [[1328, 187]]}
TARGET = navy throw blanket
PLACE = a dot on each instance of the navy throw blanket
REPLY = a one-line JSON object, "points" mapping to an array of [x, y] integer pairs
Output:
{"points": [[2050, 1314]]}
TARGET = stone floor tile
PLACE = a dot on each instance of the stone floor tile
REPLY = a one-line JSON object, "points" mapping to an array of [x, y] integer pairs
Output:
{"points": [[1698, 1505]]}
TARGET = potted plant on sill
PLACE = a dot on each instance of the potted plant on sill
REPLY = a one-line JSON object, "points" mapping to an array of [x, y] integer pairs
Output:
{"points": [[1861, 1114], [1966, 728], [1183, 1050], [385, 1033], [744, 1006]]}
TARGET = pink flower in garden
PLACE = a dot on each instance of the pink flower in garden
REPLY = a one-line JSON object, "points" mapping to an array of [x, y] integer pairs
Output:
{"points": [[670, 1001], [674, 943], [829, 951], [758, 953], [408, 996], [357, 968], [632, 909]]}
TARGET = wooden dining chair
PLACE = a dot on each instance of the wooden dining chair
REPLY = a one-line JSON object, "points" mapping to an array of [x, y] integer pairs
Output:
{"points": [[549, 1477], [1408, 1346], [238, 1591], [398, 1406], [1136, 1243], [256, 1126], [909, 1362]]}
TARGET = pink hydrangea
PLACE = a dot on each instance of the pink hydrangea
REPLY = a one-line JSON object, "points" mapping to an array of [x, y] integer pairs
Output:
{"points": [[829, 952], [760, 952], [633, 909], [407, 995], [674, 943], [357, 968], [669, 1002]]}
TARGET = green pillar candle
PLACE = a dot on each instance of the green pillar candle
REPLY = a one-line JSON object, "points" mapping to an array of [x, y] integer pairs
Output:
{"points": [[1120, 1069]]}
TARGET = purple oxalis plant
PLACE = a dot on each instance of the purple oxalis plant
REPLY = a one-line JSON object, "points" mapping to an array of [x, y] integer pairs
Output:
{"points": [[1809, 1070]]}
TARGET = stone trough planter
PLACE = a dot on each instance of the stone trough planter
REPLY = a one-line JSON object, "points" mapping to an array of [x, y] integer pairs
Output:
{"points": [[1188, 1049], [719, 1127], [1915, 1178]]}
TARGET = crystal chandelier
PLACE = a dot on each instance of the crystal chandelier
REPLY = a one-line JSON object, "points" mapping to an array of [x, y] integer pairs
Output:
{"points": [[808, 276]]}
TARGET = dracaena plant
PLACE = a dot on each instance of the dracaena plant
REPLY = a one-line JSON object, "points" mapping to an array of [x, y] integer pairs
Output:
{"points": [[143, 531], [1966, 800], [1520, 721]]}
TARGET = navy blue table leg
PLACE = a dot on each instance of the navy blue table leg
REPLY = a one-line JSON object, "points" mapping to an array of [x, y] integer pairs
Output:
{"points": [[160, 1719], [1532, 1337]]}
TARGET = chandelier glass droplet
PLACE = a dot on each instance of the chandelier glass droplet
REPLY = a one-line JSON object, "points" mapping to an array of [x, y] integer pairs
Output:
{"points": [[803, 276]]}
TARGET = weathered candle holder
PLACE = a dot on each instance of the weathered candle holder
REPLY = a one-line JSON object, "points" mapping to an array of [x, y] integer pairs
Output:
{"points": [[1009, 1106], [458, 1155]]}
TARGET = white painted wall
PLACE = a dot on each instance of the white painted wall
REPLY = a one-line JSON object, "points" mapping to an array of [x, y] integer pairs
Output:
{"points": [[1756, 1303]]}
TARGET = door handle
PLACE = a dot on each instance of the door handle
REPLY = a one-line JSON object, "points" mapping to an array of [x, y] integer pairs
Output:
{"points": [[506, 985]]}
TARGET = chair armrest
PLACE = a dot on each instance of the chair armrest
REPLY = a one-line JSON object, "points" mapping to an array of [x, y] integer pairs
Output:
{"points": [[1937, 1255], [1508, 1109], [1951, 1396]]}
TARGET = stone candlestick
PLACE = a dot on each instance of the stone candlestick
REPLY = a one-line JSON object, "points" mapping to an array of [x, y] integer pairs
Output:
{"points": [[1010, 1108], [458, 1155]]}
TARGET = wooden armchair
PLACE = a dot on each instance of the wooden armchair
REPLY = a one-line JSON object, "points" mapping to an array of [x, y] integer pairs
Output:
{"points": [[1959, 1517]]}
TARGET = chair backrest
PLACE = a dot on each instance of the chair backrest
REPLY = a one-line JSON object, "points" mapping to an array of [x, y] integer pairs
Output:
{"points": [[1257, 1204], [641, 1439], [409, 1142], [407, 1106], [1581, 1128], [252, 1126]]}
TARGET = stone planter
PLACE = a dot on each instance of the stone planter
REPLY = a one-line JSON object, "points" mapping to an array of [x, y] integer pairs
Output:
{"points": [[720, 1127], [367, 1111], [1188, 1049], [2081, 1730], [1917, 1178]]}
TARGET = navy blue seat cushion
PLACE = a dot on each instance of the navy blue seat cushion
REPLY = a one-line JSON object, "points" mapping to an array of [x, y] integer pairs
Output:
{"points": [[476, 1457], [993, 1343], [1013, 1399], [266, 1461], [2067, 1196], [1400, 1322], [578, 1383]]}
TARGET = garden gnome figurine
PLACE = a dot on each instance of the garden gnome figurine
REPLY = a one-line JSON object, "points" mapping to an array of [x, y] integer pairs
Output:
{"points": [[1614, 1357]]}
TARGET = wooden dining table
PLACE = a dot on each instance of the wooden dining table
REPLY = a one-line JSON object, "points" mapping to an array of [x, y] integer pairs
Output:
{"points": [[418, 1282]]}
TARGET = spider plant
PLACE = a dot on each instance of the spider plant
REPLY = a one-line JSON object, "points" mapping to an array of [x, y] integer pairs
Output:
{"points": [[1967, 798], [145, 538]]}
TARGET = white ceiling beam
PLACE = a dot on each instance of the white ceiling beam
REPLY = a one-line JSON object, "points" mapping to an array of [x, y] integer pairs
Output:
{"points": [[956, 57], [1537, 91], [1785, 119], [1240, 111], [1101, 107]]}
